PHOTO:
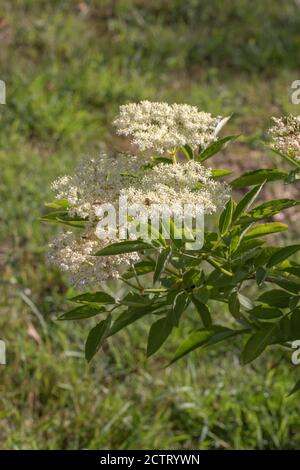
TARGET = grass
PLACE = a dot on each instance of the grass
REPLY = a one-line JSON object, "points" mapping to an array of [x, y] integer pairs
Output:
{"points": [[65, 80]]}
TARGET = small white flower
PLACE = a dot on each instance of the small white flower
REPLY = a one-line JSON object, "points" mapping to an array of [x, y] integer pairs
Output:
{"points": [[76, 257], [181, 184], [162, 127], [286, 135]]}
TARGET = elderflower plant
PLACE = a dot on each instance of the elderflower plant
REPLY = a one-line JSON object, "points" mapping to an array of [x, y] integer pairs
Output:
{"points": [[161, 278]]}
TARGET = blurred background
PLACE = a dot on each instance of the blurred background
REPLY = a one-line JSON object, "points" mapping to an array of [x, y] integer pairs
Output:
{"points": [[68, 65]]}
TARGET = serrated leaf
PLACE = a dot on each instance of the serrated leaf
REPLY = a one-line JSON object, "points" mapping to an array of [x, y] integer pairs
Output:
{"points": [[133, 299], [218, 173], [247, 201], [97, 297], [282, 255], [131, 315], [265, 229], [96, 337], [275, 298], [260, 275], [257, 343], [286, 284], [216, 147], [245, 301], [140, 268], [127, 246], [204, 337], [268, 209], [80, 313], [226, 218], [266, 313], [203, 311], [234, 305], [161, 263], [188, 151], [180, 303], [286, 157], [251, 178], [159, 332]]}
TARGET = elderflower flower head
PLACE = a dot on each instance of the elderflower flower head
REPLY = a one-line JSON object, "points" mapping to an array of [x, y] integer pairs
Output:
{"points": [[179, 184], [162, 127], [96, 180], [286, 135], [76, 256]]}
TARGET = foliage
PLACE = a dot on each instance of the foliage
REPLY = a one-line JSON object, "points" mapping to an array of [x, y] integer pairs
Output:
{"points": [[70, 74], [234, 260]]}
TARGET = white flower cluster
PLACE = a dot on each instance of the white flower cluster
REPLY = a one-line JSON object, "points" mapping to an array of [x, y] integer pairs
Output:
{"points": [[178, 184], [286, 135], [76, 257], [101, 180], [162, 127], [97, 180]]}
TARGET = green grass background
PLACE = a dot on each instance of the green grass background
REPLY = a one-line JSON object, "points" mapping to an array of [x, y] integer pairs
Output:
{"points": [[68, 65]]}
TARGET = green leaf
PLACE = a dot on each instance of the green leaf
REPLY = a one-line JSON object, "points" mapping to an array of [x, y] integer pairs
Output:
{"points": [[275, 298], [127, 246], [62, 203], [133, 299], [295, 388], [191, 278], [188, 151], [286, 284], [215, 147], [245, 301], [219, 266], [282, 255], [204, 337], [131, 315], [262, 230], [180, 303], [247, 201], [80, 313], [268, 209], [97, 297], [294, 302], [96, 337], [218, 173], [234, 305], [140, 268], [226, 217], [286, 157], [293, 176], [260, 275], [257, 343], [203, 311], [63, 217], [266, 313], [251, 178], [159, 332], [247, 245], [165, 160], [161, 263]]}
